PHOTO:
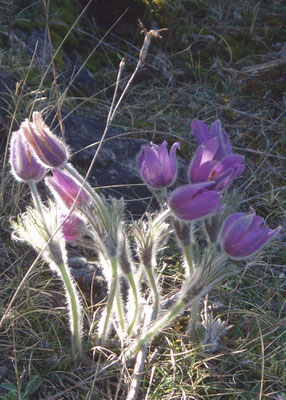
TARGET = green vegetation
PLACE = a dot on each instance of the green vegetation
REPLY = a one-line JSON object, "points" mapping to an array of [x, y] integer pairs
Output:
{"points": [[198, 69]]}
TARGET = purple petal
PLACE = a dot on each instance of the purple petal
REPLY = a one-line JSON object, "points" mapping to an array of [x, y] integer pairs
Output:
{"points": [[66, 189], [253, 242], [230, 221], [191, 202], [49, 149], [232, 161], [201, 206], [236, 232], [256, 223], [210, 149], [25, 166], [202, 174], [173, 159], [201, 131], [224, 179], [216, 130]]}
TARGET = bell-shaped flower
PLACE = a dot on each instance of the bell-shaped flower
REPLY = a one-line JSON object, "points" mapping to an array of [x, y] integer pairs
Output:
{"points": [[191, 202], [158, 167], [49, 149], [243, 235], [66, 189], [25, 166], [73, 227], [203, 134], [205, 167]]}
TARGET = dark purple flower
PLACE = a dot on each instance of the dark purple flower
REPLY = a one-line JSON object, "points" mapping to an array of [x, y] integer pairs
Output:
{"points": [[66, 189], [203, 134], [157, 167], [191, 202], [205, 167], [25, 166], [73, 228], [50, 150], [243, 235]]}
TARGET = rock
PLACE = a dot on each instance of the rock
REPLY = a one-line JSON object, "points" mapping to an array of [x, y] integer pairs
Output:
{"points": [[115, 167], [7, 86], [81, 81]]}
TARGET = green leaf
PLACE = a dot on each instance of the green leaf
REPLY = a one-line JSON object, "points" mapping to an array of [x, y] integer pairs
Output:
{"points": [[9, 386], [33, 385]]}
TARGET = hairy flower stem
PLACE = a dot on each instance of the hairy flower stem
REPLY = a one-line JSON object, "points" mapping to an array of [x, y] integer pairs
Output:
{"points": [[119, 311], [89, 189], [110, 301], [136, 301], [157, 327], [37, 202], [194, 316], [155, 291], [75, 310], [187, 249]]}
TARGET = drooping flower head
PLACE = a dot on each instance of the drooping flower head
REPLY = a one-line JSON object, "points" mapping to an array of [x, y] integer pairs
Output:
{"points": [[49, 149], [191, 202], [66, 189], [25, 166], [73, 227], [157, 167], [205, 167], [243, 235], [203, 134]]}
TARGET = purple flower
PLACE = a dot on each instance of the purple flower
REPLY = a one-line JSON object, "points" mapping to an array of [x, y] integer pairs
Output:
{"points": [[203, 134], [73, 228], [66, 189], [205, 167], [50, 150], [191, 202], [157, 167], [25, 167], [243, 235]]}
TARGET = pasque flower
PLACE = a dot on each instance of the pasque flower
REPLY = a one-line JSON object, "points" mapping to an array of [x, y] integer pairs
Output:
{"points": [[25, 166], [157, 167], [49, 149], [203, 134], [243, 235], [66, 189], [73, 227], [191, 202], [205, 167]]}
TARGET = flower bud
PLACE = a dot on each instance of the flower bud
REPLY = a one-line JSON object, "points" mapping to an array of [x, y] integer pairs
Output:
{"points": [[50, 150], [25, 167], [66, 189], [73, 227], [191, 202], [243, 235]]}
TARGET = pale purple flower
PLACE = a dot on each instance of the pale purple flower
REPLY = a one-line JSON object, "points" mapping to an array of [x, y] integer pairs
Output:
{"points": [[205, 167], [66, 189], [203, 134], [191, 202], [49, 149], [25, 166], [73, 227], [157, 167], [243, 235]]}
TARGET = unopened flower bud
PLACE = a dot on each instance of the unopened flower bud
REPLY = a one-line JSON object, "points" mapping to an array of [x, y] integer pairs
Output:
{"points": [[66, 189], [25, 166], [50, 150]]}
